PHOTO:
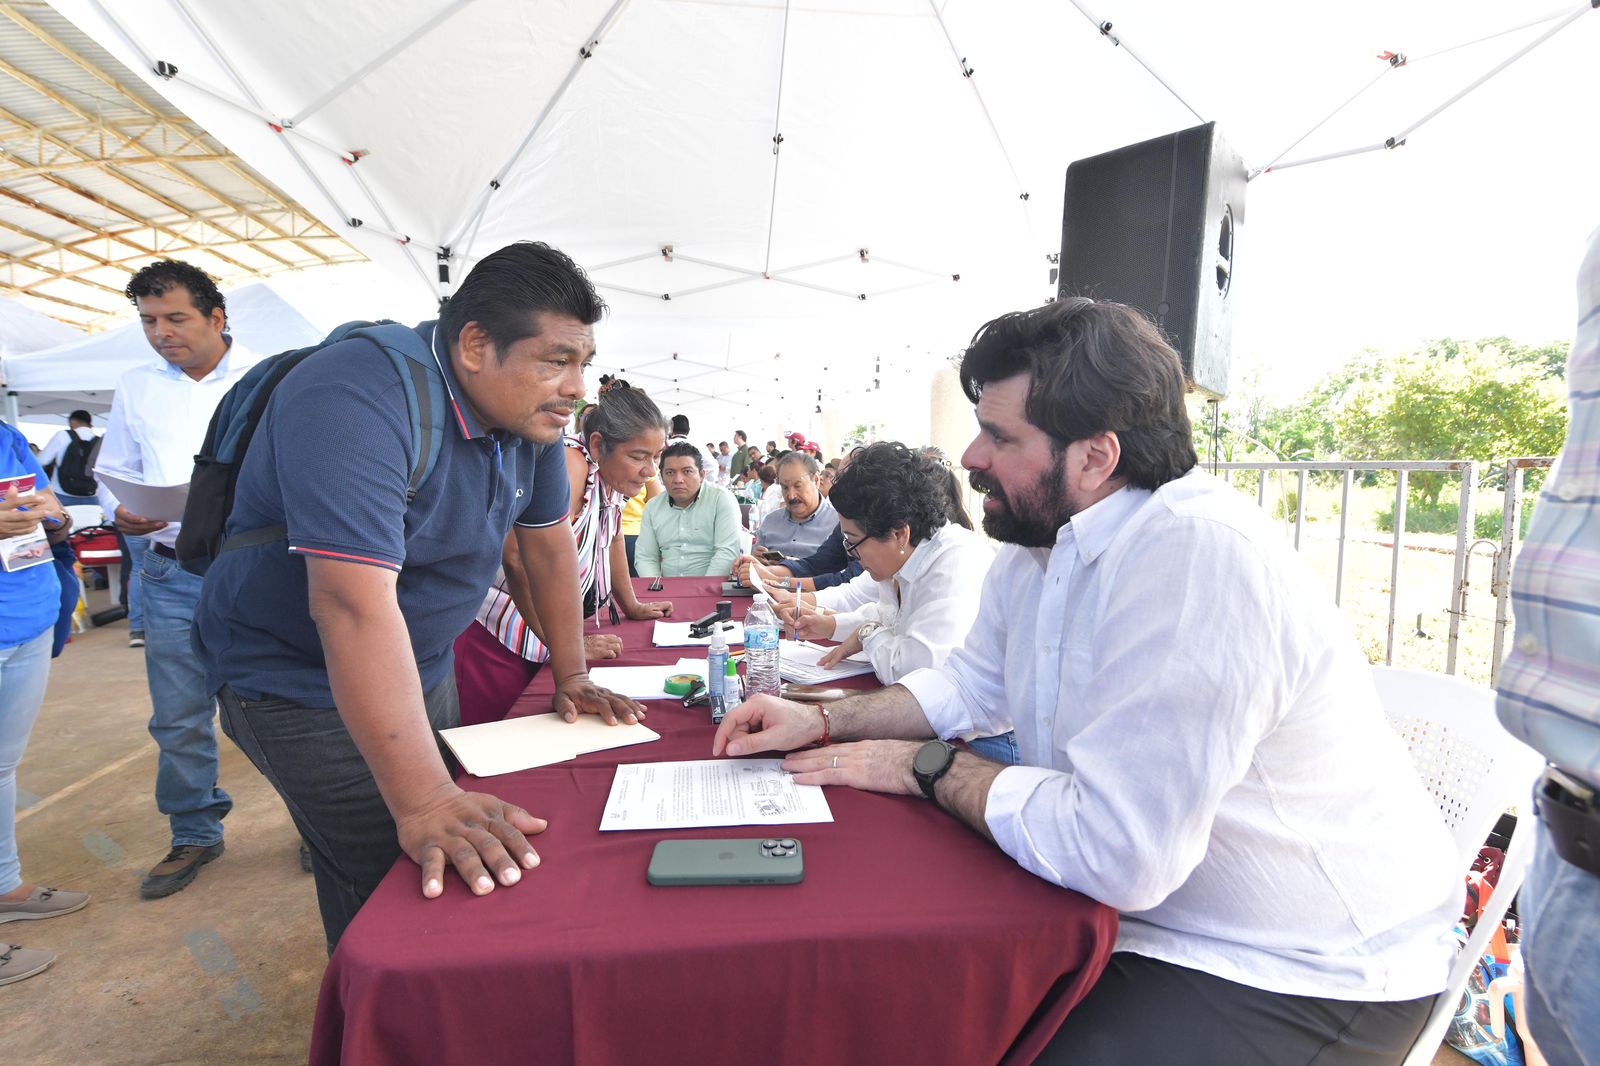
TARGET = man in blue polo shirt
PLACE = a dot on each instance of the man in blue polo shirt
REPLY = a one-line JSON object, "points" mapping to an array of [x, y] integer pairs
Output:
{"points": [[330, 654]]}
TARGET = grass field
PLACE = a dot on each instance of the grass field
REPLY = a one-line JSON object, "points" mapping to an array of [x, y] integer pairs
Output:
{"points": [[1422, 620]]}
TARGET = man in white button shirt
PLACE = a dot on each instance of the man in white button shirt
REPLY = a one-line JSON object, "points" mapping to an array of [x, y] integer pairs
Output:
{"points": [[1202, 747], [158, 422]]}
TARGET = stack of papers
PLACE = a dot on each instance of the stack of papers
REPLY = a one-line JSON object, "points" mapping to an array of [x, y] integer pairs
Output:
{"points": [[644, 682], [538, 740], [797, 662], [676, 635]]}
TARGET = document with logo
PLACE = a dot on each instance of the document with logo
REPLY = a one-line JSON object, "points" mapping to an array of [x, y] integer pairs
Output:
{"points": [[709, 792]]}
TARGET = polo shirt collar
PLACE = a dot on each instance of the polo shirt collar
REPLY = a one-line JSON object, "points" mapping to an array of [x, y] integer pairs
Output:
{"points": [[441, 355], [1096, 526]]}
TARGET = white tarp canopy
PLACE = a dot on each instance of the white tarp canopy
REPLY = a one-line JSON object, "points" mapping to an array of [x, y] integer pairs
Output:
{"points": [[23, 329], [767, 164], [83, 373]]}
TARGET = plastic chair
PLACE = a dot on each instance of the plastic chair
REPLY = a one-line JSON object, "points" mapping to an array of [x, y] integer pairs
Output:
{"points": [[1474, 770]]}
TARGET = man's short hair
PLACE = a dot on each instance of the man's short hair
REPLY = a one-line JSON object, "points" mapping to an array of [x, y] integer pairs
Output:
{"points": [[739, 436], [680, 425], [812, 467], [507, 291], [80, 415], [768, 474], [681, 450], [1093, 367], [164, 275]]}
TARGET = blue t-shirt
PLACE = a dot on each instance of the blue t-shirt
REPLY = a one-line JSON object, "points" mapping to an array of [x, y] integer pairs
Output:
{"points": [[330, 460], [29, 599]]}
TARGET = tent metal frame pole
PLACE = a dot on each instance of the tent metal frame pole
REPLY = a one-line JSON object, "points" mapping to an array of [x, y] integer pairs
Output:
{"points": [[968, 72], [1400, 138], [777, 140], [377, 61], [1258, 171], [480, 203], [1117, 42]]}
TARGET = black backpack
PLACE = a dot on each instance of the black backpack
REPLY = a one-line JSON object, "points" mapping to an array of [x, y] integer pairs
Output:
{"points": [[233, 426], [73, 472]]}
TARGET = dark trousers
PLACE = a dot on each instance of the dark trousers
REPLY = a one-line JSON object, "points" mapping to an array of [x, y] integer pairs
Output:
{"points": [[1146, 1011], [308, 755], [629, 543]]}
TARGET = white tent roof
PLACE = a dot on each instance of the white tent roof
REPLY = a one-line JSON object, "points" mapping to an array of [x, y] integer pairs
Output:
{"points": [[23, 329], [932, 134], [84, 372]]}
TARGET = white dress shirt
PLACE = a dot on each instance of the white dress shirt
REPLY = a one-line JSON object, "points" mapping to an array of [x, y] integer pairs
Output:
{"points": [[924, 611], [158, 422], [1203, 749], [56, 451]]}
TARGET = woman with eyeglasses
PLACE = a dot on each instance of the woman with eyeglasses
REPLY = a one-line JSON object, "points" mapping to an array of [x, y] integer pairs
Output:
{"points": [[918, 593]]}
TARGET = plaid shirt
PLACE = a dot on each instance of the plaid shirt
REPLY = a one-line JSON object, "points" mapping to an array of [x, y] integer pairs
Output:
{"points": [[1550, 683]]}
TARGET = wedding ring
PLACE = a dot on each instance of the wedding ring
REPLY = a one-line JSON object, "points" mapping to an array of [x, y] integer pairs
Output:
{"points": [[836, 762]]}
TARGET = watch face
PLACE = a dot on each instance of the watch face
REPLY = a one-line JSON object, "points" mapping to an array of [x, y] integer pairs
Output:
{"points": [[932, 757]]}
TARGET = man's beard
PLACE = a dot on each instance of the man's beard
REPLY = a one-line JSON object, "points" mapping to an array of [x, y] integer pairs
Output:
{"points": [[1041, 509]]}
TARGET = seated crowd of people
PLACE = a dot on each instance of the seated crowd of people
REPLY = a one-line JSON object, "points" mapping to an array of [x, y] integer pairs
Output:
{"points": [[1126, 680]]}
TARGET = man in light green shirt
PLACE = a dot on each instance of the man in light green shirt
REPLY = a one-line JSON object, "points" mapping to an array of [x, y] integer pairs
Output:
{"points": [[692, 529]]}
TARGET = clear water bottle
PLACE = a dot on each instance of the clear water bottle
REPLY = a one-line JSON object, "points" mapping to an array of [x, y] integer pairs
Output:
{"points": [[717, 664], [761, 650]]}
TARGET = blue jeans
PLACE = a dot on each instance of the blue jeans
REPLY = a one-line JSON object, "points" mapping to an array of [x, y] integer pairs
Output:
{"points": [[1560, 906], [24, 669], [182, 718], [1001, 749], [131, 600]]}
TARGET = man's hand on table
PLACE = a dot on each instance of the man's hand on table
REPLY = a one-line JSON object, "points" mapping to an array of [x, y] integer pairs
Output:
{"points": [[601, 646], [766, 723], [645, 611], [871, 765], [577, 695], [472, 831], [771, 573]]}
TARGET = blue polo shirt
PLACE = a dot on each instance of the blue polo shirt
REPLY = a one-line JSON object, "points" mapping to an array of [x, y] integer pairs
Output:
{"points": [[330, 460]]}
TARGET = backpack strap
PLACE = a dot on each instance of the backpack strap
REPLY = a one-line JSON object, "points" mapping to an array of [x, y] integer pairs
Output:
{"points": [[425, 399], [425, 407]]}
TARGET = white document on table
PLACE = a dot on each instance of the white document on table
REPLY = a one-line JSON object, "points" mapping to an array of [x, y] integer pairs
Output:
{"points": [[676, 635], [692, 795], [160, 503], [797, 662], [503, 747], [645, 682]]}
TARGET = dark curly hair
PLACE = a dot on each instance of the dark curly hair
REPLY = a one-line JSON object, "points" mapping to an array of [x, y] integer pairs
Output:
{"points": [[1093, 367], [164, 275], [886, 486]]}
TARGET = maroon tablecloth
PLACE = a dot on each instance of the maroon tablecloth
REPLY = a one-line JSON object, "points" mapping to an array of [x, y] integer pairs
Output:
{"points": [[911, 940]]}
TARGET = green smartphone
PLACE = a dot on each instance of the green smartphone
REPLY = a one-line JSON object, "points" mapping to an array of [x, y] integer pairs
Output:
{"points": [[765, 861]]}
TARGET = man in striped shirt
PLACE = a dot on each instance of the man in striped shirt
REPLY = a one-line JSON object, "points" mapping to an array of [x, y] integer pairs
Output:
{"points": [[1550, 698]]}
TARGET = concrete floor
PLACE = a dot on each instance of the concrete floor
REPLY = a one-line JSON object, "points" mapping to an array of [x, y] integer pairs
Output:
{"points": [[225, 971]]}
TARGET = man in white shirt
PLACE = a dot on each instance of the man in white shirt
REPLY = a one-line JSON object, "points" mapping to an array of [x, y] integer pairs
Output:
{"points": [[67, 455], [1201, 743], [158, 422]]}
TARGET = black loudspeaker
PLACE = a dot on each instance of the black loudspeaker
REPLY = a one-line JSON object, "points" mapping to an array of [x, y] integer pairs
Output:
{"points": [[1154, 225]]}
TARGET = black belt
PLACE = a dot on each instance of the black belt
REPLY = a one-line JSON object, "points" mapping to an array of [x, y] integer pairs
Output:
{"points": [[165, 550], [1570, 811]]}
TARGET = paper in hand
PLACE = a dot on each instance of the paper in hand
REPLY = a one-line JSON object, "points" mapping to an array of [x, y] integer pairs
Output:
{"points": [[159, 503]]}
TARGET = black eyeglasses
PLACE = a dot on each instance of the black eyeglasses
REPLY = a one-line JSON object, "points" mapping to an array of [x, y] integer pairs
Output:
{"points": [[854, 550]]}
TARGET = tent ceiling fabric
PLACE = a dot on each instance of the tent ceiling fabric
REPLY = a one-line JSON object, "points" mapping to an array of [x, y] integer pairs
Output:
{"points": [[931, 134], [99, 174]]}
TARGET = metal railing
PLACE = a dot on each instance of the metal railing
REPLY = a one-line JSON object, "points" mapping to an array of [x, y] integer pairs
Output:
{"points": [[1465, 534]]}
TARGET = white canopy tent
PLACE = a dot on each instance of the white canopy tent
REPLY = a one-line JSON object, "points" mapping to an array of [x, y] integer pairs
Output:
{"points": [[23, 329], [45, 385], [764, 189]]}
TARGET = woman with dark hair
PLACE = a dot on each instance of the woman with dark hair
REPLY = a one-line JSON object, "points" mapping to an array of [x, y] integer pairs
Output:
{"points": [[918, 595], [614, 453]]}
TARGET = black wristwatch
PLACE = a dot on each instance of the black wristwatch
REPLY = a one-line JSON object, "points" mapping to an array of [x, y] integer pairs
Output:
{"points": [[932, 762]]}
